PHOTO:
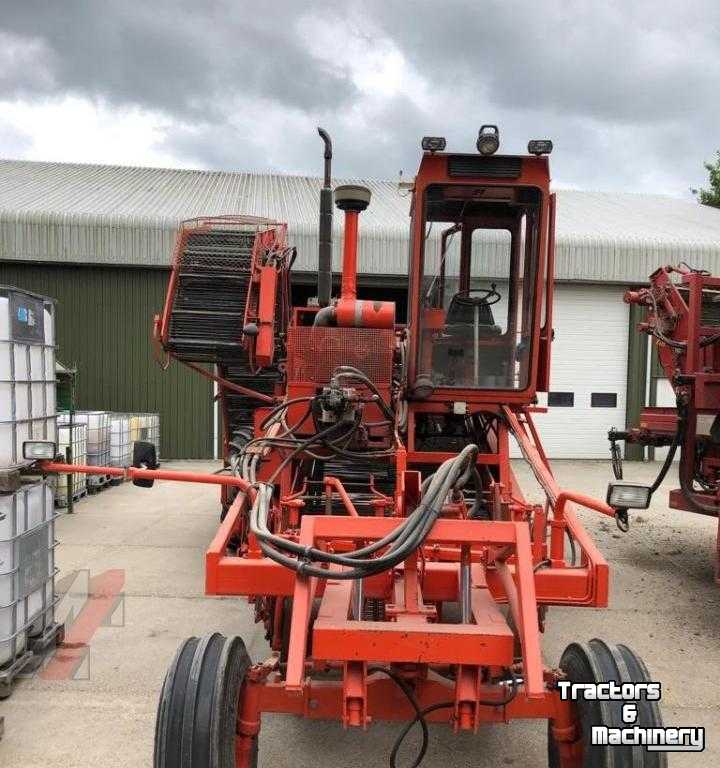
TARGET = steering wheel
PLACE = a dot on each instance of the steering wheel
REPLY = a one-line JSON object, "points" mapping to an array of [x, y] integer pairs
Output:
{"points": [[477, 296]]}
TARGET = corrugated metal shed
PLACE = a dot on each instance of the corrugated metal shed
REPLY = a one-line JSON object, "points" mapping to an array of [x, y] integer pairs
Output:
{"points": [[127, 216], [104, 317]]}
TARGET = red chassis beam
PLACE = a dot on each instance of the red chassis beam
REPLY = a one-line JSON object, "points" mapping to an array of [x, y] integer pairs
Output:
{"points": [[585, 585], [136, 473], [322, 700]]}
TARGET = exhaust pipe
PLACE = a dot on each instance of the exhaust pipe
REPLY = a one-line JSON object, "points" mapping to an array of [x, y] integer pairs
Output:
{"points": [[324, 284], [347, 311]]}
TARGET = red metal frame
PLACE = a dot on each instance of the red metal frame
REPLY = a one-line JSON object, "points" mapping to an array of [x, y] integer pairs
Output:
{"points": [[262, 296], [679, 306]]}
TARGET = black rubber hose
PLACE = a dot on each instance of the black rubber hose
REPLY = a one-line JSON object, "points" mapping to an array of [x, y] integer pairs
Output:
{"points": [[392, 536], [325, 317], [679, 434], [409, 537], [475, 510], [421, 714], [405, 539], [348, 371], [419, 718], [318, 436], [282, 405]]}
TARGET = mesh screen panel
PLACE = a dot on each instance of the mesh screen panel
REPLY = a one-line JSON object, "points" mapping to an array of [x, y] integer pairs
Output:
{"points": [[314, 353]]}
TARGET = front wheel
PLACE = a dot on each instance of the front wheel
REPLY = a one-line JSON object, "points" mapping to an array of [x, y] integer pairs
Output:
{"points": [[198, 707], [597, 662]]}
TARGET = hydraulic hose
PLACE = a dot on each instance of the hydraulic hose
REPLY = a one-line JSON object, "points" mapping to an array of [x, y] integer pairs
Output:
{"points": [[349, 372], [400, 533], [401, 542], [679, 435]]}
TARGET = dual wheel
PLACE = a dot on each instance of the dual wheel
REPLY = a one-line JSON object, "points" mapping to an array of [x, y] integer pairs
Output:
{"points": [[599, 662], [198, 709]]}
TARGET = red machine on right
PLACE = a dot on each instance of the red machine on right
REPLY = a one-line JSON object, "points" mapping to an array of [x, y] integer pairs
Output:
{"points": [[683, 316]]}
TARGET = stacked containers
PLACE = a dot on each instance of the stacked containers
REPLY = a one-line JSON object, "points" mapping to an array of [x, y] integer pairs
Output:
{"points": [[120, 443], [73, 436], [145, 427], [98, 440], [27, 567], [27, 372]]}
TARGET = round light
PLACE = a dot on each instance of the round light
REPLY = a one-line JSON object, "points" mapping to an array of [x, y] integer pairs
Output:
{"points": [[488, 140]]}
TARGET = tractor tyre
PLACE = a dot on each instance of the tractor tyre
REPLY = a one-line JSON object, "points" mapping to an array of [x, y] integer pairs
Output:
{"points": [[286, 620], [198, 707], [597, 662]]}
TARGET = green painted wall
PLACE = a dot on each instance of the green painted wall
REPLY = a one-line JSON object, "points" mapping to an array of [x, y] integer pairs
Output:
{"points": [[637, 379], [104, 318]]}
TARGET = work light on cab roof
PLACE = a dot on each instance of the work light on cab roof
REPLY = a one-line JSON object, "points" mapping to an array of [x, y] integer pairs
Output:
{"points": [[488, 143]]}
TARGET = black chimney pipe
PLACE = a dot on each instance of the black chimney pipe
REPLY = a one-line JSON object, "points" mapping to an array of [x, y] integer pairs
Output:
{"points": [[325, 231]]}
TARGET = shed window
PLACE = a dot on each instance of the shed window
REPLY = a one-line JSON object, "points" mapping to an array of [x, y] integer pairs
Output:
{"points": [[603, 400], [561, 399]]}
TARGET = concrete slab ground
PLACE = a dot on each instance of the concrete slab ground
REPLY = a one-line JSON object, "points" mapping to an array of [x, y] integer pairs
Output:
{"points": [[664, 605]]}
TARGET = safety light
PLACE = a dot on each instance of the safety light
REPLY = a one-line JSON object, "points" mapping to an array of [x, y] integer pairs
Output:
{"points": [[628, 496], [540, 147], [35, 450], [488, 140], [433, 143]]}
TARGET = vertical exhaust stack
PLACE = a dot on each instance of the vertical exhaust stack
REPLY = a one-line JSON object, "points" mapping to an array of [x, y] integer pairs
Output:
{"points": [[350, 311], [352, 199], [324, 284]]}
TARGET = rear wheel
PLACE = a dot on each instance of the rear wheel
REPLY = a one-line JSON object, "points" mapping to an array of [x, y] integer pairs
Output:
{"points": [[597, 662], [285, 623], [198, 708]]}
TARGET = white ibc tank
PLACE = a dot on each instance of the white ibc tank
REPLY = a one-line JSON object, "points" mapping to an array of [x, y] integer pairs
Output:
{"points": [[27, 372], [120, 445], [27, 567], [145, 427], [97, 438], [75, 437]]}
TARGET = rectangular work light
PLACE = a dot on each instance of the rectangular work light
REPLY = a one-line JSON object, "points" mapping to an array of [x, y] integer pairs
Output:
{"points": [[628, 496], [433, 143], [35, 450], [540, 147]]}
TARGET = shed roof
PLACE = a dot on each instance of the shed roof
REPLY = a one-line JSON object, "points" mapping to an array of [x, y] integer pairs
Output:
{"points": [[76, 213]]}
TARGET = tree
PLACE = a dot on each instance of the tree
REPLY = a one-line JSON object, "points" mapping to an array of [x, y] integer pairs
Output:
{"points": [[712, 196]]}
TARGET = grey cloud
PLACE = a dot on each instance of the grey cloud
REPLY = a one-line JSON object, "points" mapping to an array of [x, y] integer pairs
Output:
{"points": [[618, 61], [183, 58], [628, 94], [389, 143]]}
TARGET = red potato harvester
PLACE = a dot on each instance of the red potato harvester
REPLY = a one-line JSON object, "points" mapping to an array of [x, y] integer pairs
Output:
{"points": [[370, 511]]}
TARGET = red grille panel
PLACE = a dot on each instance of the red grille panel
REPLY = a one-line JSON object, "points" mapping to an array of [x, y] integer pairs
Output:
{"points": [[314, 353]]}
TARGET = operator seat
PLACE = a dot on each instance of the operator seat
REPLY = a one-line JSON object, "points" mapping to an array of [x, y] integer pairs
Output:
{"points": [[454, 351], [461, 312]]}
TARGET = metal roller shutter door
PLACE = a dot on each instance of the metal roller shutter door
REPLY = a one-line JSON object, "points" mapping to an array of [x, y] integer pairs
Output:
{"points": [[589, 357]]}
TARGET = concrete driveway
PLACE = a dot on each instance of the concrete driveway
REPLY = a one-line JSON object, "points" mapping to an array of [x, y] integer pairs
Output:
{"points": [[664, 604]]}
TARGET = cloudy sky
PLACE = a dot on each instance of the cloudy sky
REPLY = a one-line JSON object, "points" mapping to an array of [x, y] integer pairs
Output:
{"points": [[629, 92]]}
